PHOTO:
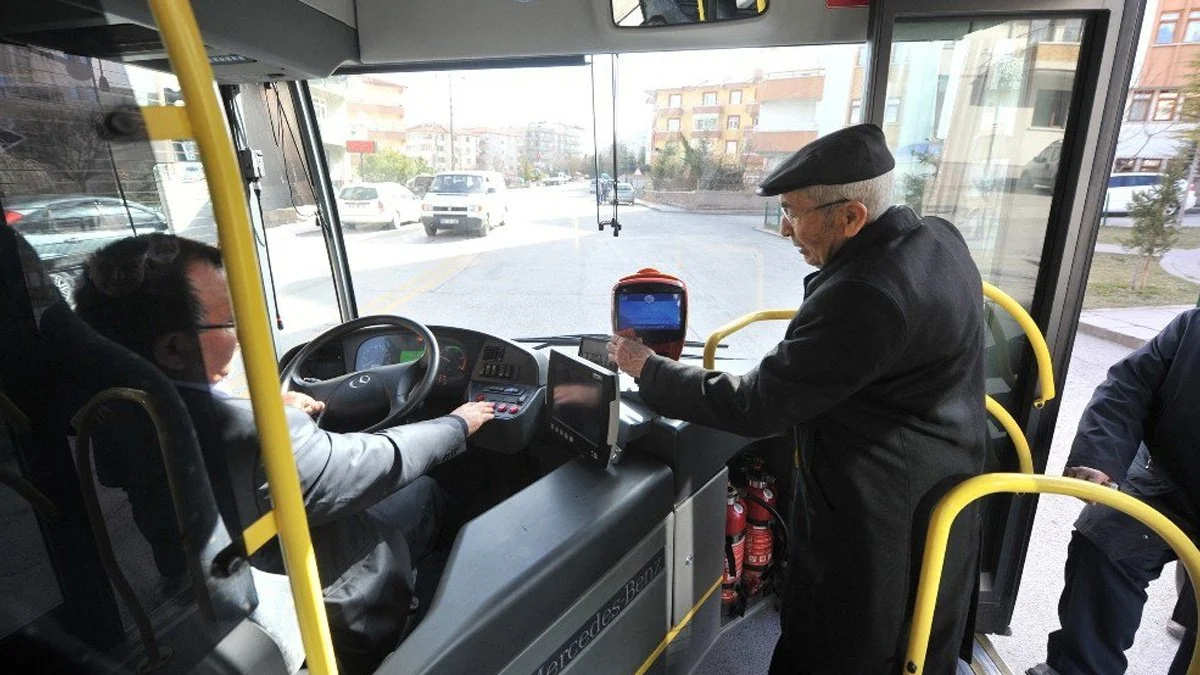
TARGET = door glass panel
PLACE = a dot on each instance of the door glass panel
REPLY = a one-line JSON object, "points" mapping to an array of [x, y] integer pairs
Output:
{"points": [[978, 135]]}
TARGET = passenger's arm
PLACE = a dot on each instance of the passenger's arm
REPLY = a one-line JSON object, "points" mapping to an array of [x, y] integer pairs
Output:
{"points": [[1114, 423], [836, 344]]}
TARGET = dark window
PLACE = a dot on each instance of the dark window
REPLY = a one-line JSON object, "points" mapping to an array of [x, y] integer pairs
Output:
{"points": [[1051, 108]]}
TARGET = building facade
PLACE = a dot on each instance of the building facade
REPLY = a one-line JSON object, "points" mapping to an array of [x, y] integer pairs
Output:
{"points": [[721, 116], [1154, 112], [375, 107]]}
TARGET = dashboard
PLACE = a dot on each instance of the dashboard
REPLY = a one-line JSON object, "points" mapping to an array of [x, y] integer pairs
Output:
{"points": [[472, 366]]}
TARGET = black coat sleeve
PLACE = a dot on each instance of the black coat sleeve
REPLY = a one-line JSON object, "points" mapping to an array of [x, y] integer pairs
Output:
{"points": [[1114, 423], [839, 341]]}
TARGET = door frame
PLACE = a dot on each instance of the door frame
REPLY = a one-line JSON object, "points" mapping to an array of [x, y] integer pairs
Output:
{"points": [[1107, 50]]}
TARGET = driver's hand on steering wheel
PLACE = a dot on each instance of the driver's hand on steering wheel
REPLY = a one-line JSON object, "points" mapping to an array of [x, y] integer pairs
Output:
{"points": [[475, 414], [308, 404]]}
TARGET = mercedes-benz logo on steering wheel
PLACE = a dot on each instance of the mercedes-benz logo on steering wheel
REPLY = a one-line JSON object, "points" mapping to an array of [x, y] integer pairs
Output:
{"points": [[360, 381]]}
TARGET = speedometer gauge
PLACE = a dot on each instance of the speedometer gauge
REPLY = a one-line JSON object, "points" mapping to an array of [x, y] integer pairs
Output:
{"points": [[373, 353]]}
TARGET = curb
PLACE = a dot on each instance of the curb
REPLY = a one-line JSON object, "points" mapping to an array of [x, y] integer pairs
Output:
{"points": [[1111, 335]]}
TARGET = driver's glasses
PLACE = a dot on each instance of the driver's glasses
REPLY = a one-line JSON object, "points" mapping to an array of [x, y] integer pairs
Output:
{"points": [[228, 325]]}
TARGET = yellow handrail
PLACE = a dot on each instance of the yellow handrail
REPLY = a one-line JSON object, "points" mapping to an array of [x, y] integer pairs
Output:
{"points": [[714, 339], [1024, 455], [177, 23], [981, 486], [1040, 351]]}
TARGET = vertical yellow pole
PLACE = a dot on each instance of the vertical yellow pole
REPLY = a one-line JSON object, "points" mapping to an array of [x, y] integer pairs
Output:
{"points": [[177, 23]]}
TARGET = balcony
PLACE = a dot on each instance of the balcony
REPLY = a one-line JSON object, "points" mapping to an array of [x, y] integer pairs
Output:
{"points": [[782, 141], [802, 87], [662, 138], [706, 109], [1056, 56], [706, 133], [675, 111]]}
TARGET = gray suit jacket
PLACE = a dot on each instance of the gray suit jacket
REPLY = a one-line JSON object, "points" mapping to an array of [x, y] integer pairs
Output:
{"points": [[348, 482]]}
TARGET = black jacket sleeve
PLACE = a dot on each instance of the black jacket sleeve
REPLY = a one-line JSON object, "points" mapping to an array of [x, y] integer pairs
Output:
{"points": [[1114, 423], [839, 340]]}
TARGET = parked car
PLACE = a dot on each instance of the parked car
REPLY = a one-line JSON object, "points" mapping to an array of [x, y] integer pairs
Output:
{"points": [[624, 194], [65, 229], [1042, 170], [377, 204], [1122, 187], [419, 184], [470, 201]]}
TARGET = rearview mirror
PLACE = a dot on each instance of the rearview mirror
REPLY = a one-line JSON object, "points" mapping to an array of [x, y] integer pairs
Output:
{"points": [[639, 13]]}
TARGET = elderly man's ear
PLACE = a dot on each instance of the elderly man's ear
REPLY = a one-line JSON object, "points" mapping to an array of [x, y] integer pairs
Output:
{"points": [[178, 352], [853, 218]]}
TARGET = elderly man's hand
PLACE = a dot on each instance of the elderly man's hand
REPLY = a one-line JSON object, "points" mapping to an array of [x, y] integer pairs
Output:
{"points": [[629, 355], [304, 402]]}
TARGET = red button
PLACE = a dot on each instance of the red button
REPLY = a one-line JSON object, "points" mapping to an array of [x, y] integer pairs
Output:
{"points": [[503, 407], [480, 397], [514, 409]]}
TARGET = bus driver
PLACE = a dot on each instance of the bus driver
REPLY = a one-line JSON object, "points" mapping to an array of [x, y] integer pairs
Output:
{"points": [[372, 510]]}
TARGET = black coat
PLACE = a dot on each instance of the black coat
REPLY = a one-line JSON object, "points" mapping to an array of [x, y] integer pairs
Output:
{"points": [[880, 375], [1149, 403]]}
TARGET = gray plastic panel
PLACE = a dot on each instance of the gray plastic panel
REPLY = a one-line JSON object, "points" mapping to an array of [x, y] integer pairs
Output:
{"points": [[515, 570], [699, 562], [694, 452], [591, 638]]}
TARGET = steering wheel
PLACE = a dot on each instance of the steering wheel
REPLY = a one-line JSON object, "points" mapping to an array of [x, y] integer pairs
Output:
{"points": [[356, 401]]}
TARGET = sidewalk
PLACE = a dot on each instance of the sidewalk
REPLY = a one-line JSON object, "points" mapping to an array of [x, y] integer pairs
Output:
{"points": [[1131, 326]]}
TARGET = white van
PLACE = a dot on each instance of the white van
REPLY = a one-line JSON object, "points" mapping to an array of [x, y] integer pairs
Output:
{"points": [[465, 201]]}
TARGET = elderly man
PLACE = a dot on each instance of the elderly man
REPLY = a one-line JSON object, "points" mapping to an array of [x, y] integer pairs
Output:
{"points": [[880, 377], [373, 512]]}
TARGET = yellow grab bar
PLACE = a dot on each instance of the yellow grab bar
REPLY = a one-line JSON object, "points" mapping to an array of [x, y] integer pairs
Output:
{"points": [[710, 345], [1040, 351], [1024, 455], [949, 506], [177, 23]]}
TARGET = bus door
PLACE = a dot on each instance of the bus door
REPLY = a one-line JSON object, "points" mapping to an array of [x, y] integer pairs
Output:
{"points": [[972, 105]]}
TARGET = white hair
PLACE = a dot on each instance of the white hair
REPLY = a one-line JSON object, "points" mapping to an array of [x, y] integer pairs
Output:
{"points": [[874, 193]]}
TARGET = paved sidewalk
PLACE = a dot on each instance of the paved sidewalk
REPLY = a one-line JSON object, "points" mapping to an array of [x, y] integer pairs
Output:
{"points": [[1131, 326]]}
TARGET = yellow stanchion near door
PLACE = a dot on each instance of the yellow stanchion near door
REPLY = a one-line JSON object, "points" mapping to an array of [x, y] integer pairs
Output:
{"points": [[981, 486], [177, 23]]}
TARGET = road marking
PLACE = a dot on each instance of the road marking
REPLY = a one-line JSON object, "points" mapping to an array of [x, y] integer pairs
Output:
{"points": [[425, 282]]}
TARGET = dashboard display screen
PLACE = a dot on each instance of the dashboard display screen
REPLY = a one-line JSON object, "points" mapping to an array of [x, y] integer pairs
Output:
{"points": [[649, 311]]}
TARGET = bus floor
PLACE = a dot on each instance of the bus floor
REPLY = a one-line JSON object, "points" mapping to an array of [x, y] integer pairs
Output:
{"points": [[744, 648]]}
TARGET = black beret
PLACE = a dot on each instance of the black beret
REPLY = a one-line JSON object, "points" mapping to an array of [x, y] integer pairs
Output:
{"points": [[845, 156]]}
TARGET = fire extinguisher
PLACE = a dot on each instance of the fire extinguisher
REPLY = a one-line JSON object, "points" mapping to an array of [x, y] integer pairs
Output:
{"points": [[735, 546], [759, 541]]}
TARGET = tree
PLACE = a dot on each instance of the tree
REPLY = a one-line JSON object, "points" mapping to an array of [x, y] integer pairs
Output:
{"points": [[1155, 213], [390, 166], [667, 168], [912, 185]]}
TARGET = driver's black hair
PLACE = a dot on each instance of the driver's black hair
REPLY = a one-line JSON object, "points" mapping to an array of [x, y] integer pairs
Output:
{"points": [[136, 289]]}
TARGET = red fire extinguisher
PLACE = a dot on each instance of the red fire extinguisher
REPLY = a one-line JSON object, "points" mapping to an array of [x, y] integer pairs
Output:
{"points": [[760, 499], [735, 546]]}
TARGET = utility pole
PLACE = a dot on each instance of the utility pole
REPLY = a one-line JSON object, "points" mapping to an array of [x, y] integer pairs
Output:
{"points": [[450, 81]]}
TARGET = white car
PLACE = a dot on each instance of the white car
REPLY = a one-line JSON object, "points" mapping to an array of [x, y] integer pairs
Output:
{"points": [[378, 204], [1122, 187], [468, 201]]}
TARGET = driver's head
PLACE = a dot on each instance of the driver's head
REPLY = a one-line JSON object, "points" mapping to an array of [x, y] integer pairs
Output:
{"points": [[166, 298]]}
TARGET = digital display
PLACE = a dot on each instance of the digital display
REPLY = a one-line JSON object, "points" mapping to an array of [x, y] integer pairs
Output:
{"points": [[577, 399], [386, 350], [649, 311], [596, 351]]}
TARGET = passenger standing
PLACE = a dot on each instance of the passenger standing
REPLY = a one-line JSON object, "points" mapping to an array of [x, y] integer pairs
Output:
{"points": [[880, 377]]}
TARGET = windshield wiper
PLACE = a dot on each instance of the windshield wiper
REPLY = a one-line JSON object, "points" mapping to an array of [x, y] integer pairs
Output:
{"points": [[568, 339]]}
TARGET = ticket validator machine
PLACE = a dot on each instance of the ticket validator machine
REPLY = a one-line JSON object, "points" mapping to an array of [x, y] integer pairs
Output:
{"points": [[652, 306]]}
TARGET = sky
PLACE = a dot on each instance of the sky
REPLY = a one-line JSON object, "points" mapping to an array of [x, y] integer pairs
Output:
{"points": [[514, 97]]}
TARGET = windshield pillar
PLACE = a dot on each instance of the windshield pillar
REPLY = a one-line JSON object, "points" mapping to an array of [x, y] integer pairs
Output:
{"points": [[310, 139]]}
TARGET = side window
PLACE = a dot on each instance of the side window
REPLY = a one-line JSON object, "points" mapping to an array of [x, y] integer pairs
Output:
{"points": [[79, 216]]}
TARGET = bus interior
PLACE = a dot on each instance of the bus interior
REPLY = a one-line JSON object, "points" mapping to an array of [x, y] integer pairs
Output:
{"points": [[559, 563]]}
